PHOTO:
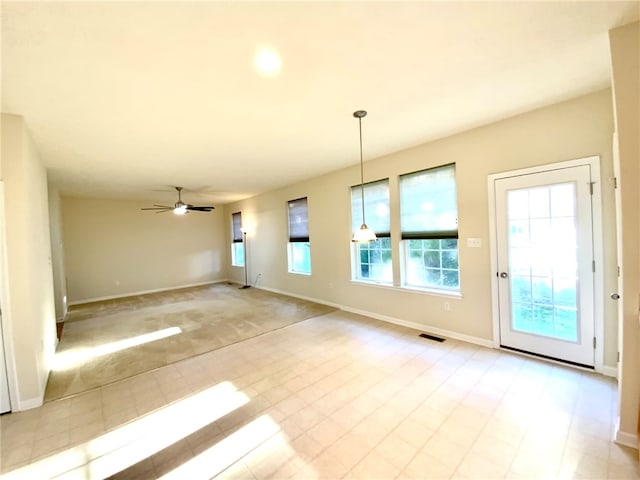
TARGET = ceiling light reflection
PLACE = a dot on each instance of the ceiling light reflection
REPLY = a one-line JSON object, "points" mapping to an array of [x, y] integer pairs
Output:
{"points": [[267, 62]]}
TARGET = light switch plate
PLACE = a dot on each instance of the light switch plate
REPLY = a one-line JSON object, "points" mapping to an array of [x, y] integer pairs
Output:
{"points": [[474, 242]]}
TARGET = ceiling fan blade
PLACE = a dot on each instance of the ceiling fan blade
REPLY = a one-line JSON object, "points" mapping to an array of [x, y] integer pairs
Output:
{"points": [[199, 209], [179, 206], [164, 209]]}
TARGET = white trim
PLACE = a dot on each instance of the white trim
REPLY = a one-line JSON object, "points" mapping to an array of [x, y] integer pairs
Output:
{"points": [[412, 289], [596, 204], [143, 292], [606, 370], [34, 402], [625, 438], [609, 371], [598, 256], [29, 403], [396, 321], [6, 318], [533, 356], [301, 297], [483, 342], [493, 258]]}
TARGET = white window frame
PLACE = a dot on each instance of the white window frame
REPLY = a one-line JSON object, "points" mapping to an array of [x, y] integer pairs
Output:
{"points": [[298, 233], [237, 247], [381, 232], [448, 233]]}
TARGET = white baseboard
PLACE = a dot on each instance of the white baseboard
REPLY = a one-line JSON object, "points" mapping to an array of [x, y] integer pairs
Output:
{"points": [[28, 404], [396, 321], [301, 297], [423, 328], [605, 370], [625, 438], [34, 402], [143, 292]]}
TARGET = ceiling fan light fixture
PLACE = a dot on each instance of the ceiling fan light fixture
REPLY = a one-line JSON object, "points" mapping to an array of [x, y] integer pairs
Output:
{"points": [[180, 210], [363, 234]]}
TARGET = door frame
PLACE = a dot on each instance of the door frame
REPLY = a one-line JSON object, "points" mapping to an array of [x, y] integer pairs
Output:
{"points": [[598, 253], [5, 328]]}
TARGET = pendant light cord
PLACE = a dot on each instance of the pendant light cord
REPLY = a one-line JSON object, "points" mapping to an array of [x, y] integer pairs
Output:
{"points": [[361, 170]]}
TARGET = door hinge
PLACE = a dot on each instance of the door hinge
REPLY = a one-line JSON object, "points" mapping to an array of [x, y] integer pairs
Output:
{"points": [[618, 270], [593, 266], [591, 187], [594, 343], [615, 182], [618, 357]]}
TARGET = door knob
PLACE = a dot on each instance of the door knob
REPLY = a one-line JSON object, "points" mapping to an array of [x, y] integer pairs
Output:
{"points": [[504, 274], [615, 296]]}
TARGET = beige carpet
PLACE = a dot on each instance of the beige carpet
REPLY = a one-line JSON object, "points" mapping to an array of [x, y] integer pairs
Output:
{"points": [[102, 341]]}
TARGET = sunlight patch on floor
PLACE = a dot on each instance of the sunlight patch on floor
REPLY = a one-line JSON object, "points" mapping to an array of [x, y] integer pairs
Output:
{"points": [[125, 446], [75, 357], [228, 451]]}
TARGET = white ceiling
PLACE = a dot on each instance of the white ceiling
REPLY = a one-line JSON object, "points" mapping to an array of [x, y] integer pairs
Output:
{"points": [[123, 99]]}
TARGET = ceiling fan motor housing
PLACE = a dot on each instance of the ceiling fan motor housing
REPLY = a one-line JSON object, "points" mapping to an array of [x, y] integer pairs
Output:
{"points": [[180, 207]]}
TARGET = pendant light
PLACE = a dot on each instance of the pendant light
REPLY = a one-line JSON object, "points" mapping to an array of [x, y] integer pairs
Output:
{"points": [[364, 233]]}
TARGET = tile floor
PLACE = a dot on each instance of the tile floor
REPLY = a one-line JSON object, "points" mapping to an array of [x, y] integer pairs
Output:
{"points": [[163, 328], [336, 396]]}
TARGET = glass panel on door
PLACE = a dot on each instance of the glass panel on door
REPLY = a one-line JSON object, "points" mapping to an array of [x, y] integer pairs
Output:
{"points": [[543, 261]]}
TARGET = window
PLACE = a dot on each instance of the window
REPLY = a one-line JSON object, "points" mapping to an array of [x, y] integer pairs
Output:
{"points": [[237, 245], [299, 251], [429, 224], [372, 261]]}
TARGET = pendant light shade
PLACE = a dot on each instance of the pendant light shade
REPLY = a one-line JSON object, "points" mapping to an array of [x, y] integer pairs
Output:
{"points": [[364, 233]]}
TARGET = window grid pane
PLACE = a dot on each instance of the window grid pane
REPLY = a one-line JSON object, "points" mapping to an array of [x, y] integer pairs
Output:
{"points": [[432, 263], [374, 261], [299, 247], [300, 257], [237, 254], [543, 262]]}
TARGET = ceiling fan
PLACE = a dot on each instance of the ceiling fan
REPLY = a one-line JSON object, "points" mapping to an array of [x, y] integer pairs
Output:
{"points": [[180, 208]]}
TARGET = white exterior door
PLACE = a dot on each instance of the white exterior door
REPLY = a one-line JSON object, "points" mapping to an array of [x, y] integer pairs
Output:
{"points": [[545, 263]]}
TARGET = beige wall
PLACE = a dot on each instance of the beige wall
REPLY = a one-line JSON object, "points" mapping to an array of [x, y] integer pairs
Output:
{"points": [[57, 253], [625, 62], [27, 293], [575, 129], [112, 248]]}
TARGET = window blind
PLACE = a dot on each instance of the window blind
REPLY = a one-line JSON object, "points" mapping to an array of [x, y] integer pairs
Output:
{"points": [[376, 207], [298, 220], [428, 203], [236, 219]]}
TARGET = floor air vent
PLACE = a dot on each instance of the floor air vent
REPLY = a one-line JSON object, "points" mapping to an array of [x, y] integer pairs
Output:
{"points": [[432, 337]]}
